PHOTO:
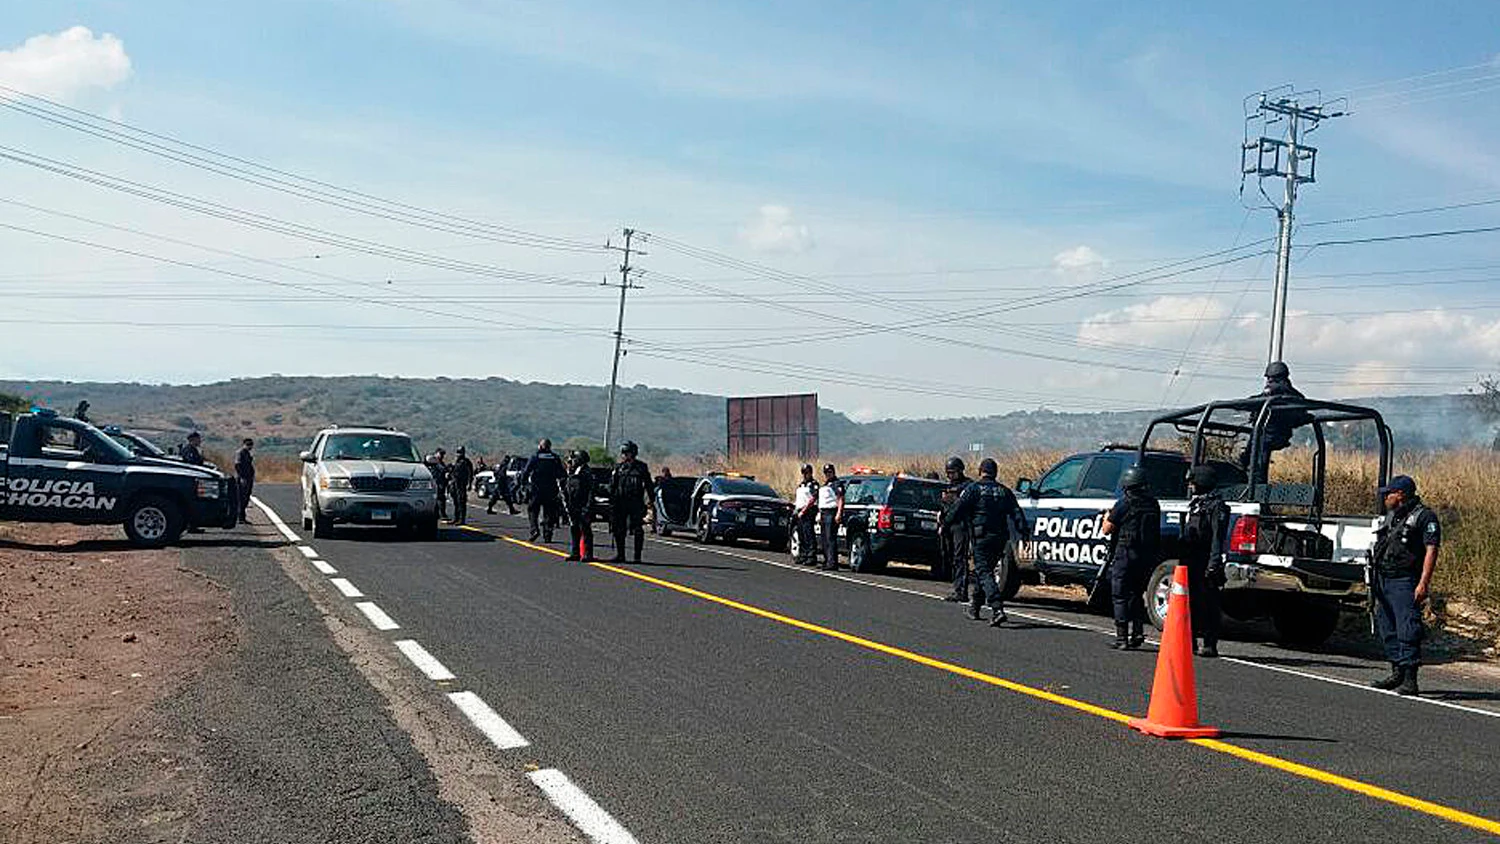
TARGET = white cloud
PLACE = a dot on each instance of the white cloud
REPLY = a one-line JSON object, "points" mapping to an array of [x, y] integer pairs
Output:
{"points": [[773, 231], [1080, 261], [65, 65]]}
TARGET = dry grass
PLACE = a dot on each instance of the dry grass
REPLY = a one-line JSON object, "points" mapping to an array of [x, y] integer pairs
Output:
{"points": [[1462, 486], [269, 468]]}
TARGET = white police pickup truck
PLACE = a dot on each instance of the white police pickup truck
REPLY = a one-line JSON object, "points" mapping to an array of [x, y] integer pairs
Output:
{"points": [[56, 469], [1289, 557]]}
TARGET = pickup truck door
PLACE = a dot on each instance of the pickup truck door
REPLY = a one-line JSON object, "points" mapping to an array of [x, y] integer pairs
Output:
{"points": [[1066, 515], [66, 472]]}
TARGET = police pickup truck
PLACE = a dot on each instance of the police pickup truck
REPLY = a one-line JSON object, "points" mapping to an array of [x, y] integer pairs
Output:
{"points": [[55, 469], [1288, 557]]}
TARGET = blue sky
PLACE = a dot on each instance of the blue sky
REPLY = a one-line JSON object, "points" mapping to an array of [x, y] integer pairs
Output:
{"points": [[881, 164]]}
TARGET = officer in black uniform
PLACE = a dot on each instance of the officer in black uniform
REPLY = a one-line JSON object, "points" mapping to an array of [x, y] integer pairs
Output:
{"points": [[543, 476], [1405, 554], [954, 538], [1204, 532], [437, 464], [805, 517], [460, 478], [630, 488], [1134, 527], [989, 511], [501, 488], [578, 497], [192, 450]]}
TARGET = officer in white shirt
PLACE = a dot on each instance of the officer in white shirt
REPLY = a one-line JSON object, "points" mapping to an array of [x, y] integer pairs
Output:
{"points": [[830, 514], [805, 518]]}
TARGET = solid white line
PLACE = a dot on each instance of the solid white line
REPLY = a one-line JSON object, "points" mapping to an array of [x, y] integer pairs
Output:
{"points": [[1361, 686], [588, 816], [500, 734], [323, 567], [377, 616], [307, 551], [275, 520], [348, 589], [424, 661]]}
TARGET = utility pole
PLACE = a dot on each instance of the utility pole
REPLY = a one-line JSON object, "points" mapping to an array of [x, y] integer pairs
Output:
{"points": [[626, 285], [1291, 160]]}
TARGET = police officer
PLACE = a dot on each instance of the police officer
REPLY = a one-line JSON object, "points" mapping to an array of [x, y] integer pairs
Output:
{"points": [[989, 510], [1204, 532], [543, 476], [501, 488], [244, 472], [805, 517], [1134, 528], [437, 464], [830, 515], [1405, 554], [630, 488], [460, 477], [954, 538], [578, 497], [192, 450]]}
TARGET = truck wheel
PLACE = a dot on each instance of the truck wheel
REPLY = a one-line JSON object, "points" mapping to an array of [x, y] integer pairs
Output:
{"points": [[704, 534], [862, 557], [794, 545], [322, 525], [1008, 575], [1158, 591], [1304, 623], [153, 522]]}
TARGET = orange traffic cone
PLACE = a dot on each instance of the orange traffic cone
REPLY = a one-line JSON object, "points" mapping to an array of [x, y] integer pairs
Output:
{"points": [[1174, 694]]}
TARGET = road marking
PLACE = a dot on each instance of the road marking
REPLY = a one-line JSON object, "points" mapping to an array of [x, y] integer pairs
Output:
{"points": [[349, 590], [275, 520], [588, 816], [424, 661], [377, 616], [500, 734], [1281, 669], [323, 567], [307, 551]]}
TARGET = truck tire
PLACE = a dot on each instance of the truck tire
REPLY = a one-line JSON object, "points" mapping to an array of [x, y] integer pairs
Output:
{"points": [[1304, 624], [862, 557], [794, 545], [1008, 574], [705, 533], [1158, 591], [153, 522], [322, 525]]}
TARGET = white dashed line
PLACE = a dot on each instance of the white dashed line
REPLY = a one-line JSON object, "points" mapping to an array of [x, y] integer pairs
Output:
{"points": [[323, 567], [500, 734], [588, 816], [424, 661], [377, 616], [307, 551], [346, 588]]}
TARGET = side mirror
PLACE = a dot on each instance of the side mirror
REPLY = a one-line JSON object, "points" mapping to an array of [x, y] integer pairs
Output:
{"points": [[306, 457], [1024, 487]]}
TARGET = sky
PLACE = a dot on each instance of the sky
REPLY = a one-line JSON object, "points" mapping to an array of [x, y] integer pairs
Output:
{"points": [[915, 209]]}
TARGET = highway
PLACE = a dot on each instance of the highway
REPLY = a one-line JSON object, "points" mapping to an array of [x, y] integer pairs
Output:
{"points": [[717, 695]]}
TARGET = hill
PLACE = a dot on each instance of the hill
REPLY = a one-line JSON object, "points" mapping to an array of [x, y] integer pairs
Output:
{"points": [[497, 415]]}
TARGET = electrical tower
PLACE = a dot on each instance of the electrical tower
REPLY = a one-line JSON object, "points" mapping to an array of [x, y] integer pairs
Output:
{"points": [[626, 285], [1267, 156]]}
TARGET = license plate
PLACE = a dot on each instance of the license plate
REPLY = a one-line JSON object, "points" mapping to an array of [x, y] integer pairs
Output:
{"points": [[762, 522], [929, 524], [381, 515]]}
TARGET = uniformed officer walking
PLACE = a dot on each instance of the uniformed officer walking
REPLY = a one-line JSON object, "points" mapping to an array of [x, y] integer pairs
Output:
{"points": [[830, 515], [989, 511], [630, 488], [1204, 532], [500, 489], [192, 450], [805, 517], [954, 537], [1134, 527], [1405, 554], [460, 477], [543, 477], [578, 497]]}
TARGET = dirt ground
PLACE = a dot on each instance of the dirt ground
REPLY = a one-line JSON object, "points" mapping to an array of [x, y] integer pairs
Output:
{"points": [[92, 632]]}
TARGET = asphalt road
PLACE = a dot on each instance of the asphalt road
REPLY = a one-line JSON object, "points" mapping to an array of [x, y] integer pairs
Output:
{"points": [[731, 699]]}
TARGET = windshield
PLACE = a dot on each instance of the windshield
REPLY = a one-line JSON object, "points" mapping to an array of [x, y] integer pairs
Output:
{"points": [[138, 445], [391, 447], [917, 496], [732, 486]]}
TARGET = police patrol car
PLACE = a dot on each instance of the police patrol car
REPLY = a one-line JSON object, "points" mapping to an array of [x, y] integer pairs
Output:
{"points": [[55, 469], [1287, 557]]}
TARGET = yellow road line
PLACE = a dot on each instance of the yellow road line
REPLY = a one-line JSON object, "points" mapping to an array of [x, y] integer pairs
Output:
{"points": [[1396, 798]]}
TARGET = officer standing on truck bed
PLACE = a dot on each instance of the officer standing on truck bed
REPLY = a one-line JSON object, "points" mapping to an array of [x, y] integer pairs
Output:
{"points": [[578, 497], [543, 476], [1134, 527], [1405, 554], [805, 518], [460, 478], [630, 487], [988, 509], [1204, 532], [954, 538]]}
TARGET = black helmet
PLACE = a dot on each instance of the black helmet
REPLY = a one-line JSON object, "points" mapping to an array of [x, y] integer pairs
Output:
{"points": [[1278, 369], [1134, 478], [828, 469], [1203, 477], [988, 467], [630, 448], [955, 464], [807, 469], [580, 457]]}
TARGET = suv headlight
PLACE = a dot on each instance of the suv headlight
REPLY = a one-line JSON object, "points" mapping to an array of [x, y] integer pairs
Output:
{"points": [[208, 488], [420, 483], [333, 483]]}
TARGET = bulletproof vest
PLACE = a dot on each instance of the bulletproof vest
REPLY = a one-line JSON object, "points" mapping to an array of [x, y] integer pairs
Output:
{"points": [[577, 486], [1139, 532], [1399, 551], [990, 519], [1198, 528], [628, 481]]}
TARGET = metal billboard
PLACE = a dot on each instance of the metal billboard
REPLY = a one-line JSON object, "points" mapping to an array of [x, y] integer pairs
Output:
{"points": [[773, 425]]}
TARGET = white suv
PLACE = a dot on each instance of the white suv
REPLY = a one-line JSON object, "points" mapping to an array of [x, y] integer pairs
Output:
{"points": [[366, 476]]}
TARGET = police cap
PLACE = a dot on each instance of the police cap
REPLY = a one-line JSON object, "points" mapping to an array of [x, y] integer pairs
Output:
{"points": [[1400, 483], [988, 467], [955, 464], [1134, 478]]}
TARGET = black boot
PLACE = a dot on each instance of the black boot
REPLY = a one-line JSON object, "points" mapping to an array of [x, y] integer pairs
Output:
{"points": [[955, 598], [1397, 675], [1209, 649], [1137, 637], [972, 612], [1122, 637], [997, 616], [1408, 681]]}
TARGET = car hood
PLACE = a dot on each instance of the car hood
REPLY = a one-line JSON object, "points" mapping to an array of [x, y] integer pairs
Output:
{"points": [[377, 468], [178, 466], [752, 499]]}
